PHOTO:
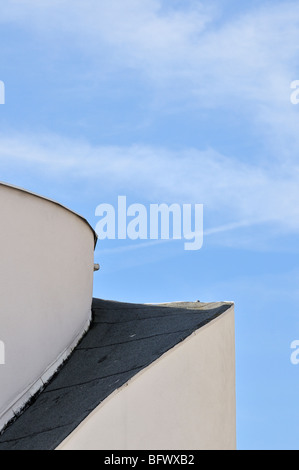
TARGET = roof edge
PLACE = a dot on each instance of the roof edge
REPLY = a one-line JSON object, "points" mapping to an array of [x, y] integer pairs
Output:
{"points": [[31, 193]]}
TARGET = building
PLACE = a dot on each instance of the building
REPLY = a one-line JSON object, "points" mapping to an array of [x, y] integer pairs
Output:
{"points": [[83, 373]]}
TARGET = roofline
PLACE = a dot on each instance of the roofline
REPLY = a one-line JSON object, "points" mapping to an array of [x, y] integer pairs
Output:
{"points": [[11, 186]]}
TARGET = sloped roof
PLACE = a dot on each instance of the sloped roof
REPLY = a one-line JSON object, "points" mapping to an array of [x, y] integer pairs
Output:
{"points": [[123, 340]]}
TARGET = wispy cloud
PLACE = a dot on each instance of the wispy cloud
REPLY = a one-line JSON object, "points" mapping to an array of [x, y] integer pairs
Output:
{"points": [[153, 243], [247, 54], [192, 54], [230, 189], [194, 41]]}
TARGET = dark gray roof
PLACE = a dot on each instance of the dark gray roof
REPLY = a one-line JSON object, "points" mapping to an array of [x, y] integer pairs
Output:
{"points": [[123, 340]]}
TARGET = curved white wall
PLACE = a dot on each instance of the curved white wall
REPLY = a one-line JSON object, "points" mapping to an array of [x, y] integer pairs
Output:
{"points": [[183, 401], [46, 280]]}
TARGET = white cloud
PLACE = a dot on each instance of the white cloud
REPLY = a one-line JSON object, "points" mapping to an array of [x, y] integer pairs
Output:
{"points": [[232, 191], [186, 41], [195, 54], [245, 63], [190, 42]]}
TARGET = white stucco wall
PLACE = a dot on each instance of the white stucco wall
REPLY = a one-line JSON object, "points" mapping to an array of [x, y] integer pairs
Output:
{"points": [[184, 401], [46, 280]]}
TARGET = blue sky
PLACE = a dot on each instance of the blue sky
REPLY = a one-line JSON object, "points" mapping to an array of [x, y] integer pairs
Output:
{"points": [[177, 102]]}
